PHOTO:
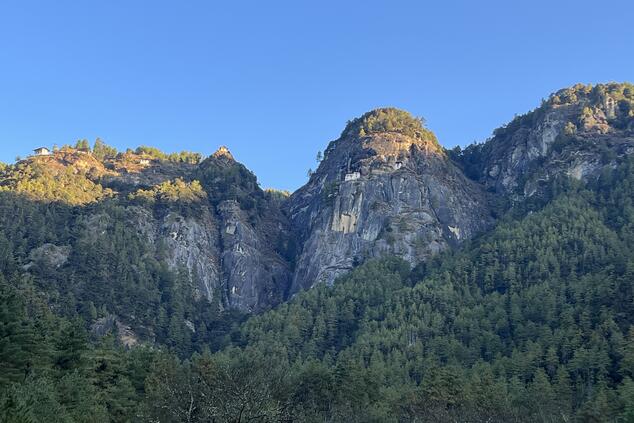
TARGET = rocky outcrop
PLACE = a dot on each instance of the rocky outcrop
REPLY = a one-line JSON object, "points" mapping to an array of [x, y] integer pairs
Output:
{"points": [[226, 243], [255, 275], [189, 243], [385, 187], [112, 325], [576, 132], [48, 255], [381, 192]]}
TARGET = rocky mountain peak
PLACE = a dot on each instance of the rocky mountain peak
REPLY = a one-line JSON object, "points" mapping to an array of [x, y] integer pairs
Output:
{"points": [[388, 132], [382, 140], [384, 187], [575, 132], [223, 153], [389, 120]]}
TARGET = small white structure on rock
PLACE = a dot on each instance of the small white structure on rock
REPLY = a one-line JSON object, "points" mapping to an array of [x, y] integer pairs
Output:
{"points": [[42, 151], [352, 176]]}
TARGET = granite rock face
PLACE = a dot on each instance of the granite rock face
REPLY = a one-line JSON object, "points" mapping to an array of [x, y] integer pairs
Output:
{"points": [[384, 187], [255, 275], [187, 243], [576, 132], [377, 194], [225, 246]]}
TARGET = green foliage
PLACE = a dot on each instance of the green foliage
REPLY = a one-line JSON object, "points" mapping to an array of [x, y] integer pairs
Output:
{"points": [[179, 194], [595, 94], [389, 120], [182, 157], [48, 367], [179, 190], [82, 145], [52, 369], [229, 180], [50, 182], [616, 96], [580, 103], [276, 197], [102, 151], [533, 321], [110, 270], [18, 344], [214, 388]]}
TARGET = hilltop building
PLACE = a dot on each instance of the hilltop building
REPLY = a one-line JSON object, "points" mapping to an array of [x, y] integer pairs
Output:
{"points": [[42, 151]]}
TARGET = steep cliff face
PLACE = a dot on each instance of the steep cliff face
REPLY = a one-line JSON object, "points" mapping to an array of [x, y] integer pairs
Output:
{"points": [[226, 241], [227, 256], [255, 275], [576, 132], [384, 187], [252, 232], [189, 243], [209, 220]]}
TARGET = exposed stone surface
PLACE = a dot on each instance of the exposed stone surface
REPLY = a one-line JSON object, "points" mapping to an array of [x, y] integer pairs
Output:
{"points": [[49, 255], [576, 132], [111, 324], [228, 252], [189, 243], [255, 275], [384, 187], [380, 194]]}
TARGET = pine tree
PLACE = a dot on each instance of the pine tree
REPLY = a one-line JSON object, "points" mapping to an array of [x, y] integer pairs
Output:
{"points": [[19, 351], [71, 346], [82, 145]]}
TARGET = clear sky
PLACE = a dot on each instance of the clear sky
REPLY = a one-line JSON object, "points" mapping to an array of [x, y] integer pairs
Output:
{"points": [[275, 81]]}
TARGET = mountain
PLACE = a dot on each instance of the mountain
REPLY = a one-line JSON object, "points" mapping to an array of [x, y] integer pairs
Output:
{"points": [[577, 132], [208, 218], [403, 282], [385, 187]]}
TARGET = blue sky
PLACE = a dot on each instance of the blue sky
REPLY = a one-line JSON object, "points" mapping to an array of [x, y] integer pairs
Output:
{"points": [[275, 81]]}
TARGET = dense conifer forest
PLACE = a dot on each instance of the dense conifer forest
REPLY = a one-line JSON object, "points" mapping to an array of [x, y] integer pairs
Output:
{"points": [[532, 321]]}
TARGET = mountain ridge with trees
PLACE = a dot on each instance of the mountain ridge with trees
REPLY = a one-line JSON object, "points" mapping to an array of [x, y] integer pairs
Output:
{"points": [[490, 283]]}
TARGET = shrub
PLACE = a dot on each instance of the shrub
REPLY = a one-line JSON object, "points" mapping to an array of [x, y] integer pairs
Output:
{"points": [[389, 120]]}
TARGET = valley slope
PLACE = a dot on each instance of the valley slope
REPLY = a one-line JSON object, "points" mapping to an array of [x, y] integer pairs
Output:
{"points": [[384, 187], [402, 282]]}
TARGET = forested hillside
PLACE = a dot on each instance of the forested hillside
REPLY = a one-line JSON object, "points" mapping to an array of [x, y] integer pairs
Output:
{"points": [[403, 283], [531, 322]]}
